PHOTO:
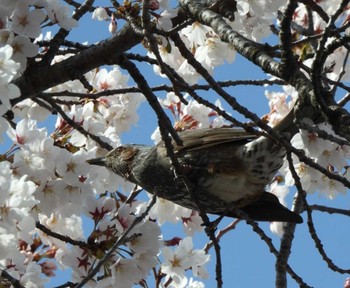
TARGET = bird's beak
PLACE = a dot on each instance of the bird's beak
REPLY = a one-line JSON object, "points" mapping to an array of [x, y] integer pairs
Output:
{"points": [[97, 161]]}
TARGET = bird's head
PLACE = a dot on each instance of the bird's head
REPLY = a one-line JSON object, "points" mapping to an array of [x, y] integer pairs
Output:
{"points": [[120, 159]]}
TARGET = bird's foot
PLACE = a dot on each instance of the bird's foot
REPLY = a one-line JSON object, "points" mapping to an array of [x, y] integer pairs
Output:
{"points": [[211, 226]]}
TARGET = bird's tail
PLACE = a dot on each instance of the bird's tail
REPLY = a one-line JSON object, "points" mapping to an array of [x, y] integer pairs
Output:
{"points": [[268, 208]]}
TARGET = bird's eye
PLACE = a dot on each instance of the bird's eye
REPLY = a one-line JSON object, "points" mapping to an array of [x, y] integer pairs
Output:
{"points": [[120, 149]]}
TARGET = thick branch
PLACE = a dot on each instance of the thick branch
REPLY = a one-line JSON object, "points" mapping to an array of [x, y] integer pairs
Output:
{"points": [[37, 78]]}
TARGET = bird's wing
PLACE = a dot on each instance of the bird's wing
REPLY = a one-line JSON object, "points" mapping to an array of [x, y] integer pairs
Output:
{"points": [[208, 137]]}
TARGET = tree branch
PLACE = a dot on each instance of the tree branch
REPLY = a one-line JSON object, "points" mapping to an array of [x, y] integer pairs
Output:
{"points": [[37, 79]]}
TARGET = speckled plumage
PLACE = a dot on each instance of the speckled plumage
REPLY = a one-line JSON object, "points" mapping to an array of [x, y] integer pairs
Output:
{"points": [[224, 166]]}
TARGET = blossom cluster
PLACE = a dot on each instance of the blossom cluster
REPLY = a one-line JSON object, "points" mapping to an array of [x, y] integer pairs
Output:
{"points": [[19, 24], [45, 178], [323, 152], [130, 263]]}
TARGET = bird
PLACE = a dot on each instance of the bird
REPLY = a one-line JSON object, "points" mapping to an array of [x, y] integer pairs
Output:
{"points": [[225, 167]]}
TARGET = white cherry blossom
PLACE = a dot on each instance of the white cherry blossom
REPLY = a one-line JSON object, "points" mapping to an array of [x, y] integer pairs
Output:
{"points": [[100, 14], [8, 67], [27, 22], [60, 14]]}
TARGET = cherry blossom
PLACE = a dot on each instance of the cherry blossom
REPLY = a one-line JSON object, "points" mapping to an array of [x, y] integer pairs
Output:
{"points": [[8, 67], [213, 52], [196, 33], [193, 224], [27, 22], [324, 152], [160, 211], [100, 14], [180, 259], [23, 48], [8, 92], [60, 14], [30, 109]]}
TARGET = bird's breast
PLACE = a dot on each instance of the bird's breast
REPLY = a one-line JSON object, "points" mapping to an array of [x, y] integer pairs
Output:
{"points": [[237, 188]]}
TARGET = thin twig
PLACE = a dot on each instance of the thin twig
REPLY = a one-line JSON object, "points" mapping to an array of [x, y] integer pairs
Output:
{"points": [[61, 237], [163, 120], [77, 126], [269, 243], [330, 210], [319, 245], [14, 282], [286, 241], [221, 233]]}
